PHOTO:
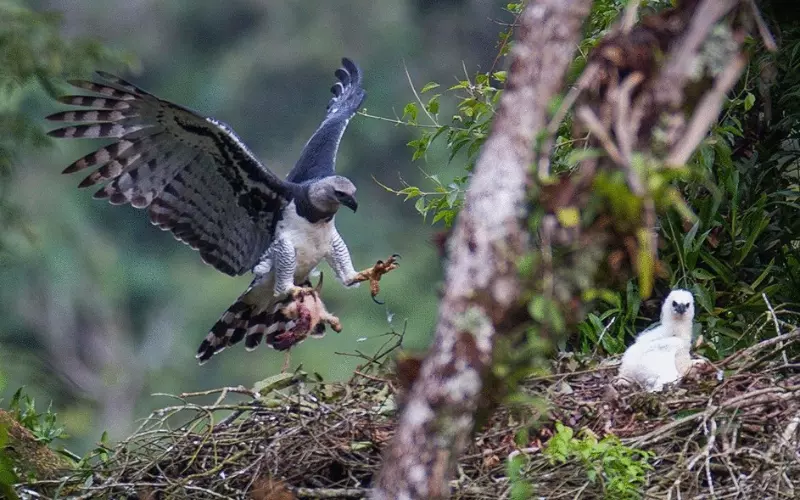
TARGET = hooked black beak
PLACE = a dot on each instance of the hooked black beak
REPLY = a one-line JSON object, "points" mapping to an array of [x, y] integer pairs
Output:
{"points": [[680, 308], [349, 201]]}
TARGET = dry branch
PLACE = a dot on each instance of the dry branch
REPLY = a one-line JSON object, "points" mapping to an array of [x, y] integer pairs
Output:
{"points": [[483, 287], [325, 440]]}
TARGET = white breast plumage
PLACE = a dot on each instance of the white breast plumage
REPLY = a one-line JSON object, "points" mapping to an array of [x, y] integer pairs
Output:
{"points": [[311, 241]]}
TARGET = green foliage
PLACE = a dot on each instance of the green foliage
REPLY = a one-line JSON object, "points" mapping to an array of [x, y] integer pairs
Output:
{"points": [[24, 438], [739, 246], [8, 477], [474, 100], [521, 488], [728, 224], [443, 201], [620, 470], [43, 426], [609, 329], [32, 55]]}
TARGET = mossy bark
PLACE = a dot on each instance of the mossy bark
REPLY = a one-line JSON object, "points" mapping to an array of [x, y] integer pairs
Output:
{"points": [[29, 456]]}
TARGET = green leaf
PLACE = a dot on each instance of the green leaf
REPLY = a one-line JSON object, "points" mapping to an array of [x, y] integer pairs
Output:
{"points": [[521, 490], [763, 275], [688, 239], [751, 239], [452, 196], [749, 101], [410, 111], [568, 217], [537, 308], [703, 297], [702, 274], [578, 155], [440, 215], [273, 383], [433, 104], [410, 192], [428, 86], [645, 262], [361, 445], [420, 206], [720, 268]]}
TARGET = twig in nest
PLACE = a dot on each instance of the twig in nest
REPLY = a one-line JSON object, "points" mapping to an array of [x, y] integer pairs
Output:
{"points": [[394, 342], [223, 392], [603, 334], [711, 438], [788, 439], [331, 492], [371, 377], [752, 350], [777, 328]]}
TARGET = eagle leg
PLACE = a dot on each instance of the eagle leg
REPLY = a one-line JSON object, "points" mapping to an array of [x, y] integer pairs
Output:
{"points": [[374, 274]]}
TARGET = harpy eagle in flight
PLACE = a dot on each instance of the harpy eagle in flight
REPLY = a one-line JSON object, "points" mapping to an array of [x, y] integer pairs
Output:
{"points": [[197, 179]]}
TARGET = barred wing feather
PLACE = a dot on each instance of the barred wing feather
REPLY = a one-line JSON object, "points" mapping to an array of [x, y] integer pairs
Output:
{"points": [[193, 174]]}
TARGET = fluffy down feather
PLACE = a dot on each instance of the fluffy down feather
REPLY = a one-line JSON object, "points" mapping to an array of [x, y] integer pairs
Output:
{"points": [[660, 354]]}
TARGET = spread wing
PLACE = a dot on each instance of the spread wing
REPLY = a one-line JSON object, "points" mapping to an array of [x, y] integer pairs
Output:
{"points": [[193, 174], [319, 154]]}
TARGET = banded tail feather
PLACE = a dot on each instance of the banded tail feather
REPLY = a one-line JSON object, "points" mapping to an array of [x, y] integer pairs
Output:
{"points": [[284, 324]]}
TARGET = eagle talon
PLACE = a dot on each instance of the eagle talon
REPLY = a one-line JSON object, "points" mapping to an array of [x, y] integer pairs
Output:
{"points": [[374, 274]]}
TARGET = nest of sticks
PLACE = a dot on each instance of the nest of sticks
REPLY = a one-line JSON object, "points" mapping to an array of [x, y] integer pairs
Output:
{"points": [[293, 436]]}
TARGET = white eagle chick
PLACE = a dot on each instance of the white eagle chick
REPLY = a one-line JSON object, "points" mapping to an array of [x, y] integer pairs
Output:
{"points": [[660, 355]]}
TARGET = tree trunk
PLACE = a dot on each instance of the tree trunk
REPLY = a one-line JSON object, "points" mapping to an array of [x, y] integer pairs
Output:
{"points": [[482, 286]]}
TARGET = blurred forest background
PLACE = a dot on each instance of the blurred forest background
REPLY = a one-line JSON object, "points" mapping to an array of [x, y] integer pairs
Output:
{"points": [[98, 309]]}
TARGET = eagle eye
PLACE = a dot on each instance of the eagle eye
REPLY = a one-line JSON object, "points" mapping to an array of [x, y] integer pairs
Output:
{"points": [[674, 304]]}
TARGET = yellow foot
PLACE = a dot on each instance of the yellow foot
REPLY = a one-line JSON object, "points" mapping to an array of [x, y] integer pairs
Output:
{"points": [[374, 274]]}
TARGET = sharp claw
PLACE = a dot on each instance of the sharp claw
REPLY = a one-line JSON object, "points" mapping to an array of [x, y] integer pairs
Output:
{"points": [[396, 256], [379, 302]]}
